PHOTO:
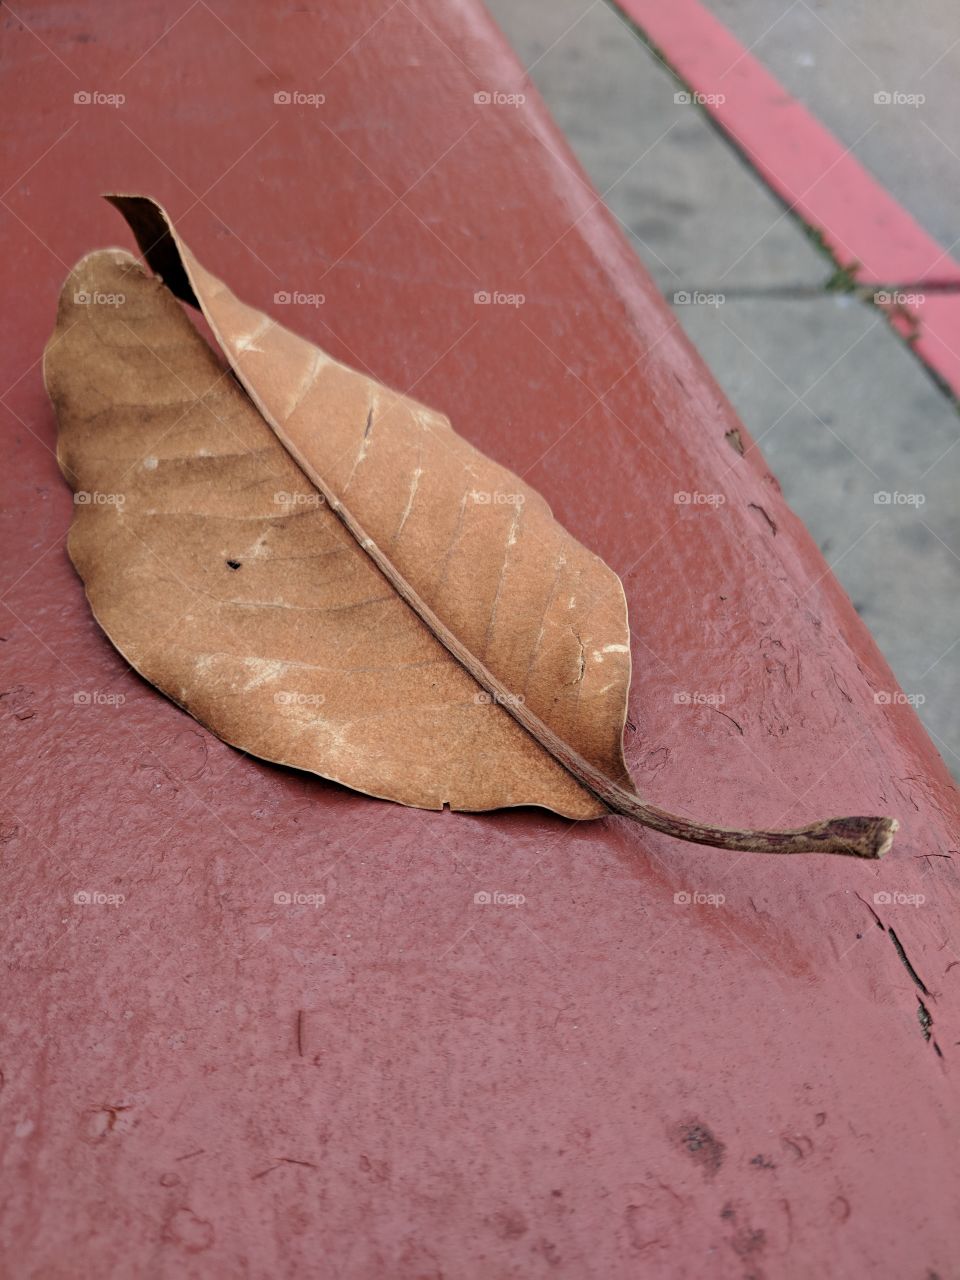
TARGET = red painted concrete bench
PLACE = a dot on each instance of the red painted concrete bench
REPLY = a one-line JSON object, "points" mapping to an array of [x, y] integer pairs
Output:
{"points": [[623, 1075]]}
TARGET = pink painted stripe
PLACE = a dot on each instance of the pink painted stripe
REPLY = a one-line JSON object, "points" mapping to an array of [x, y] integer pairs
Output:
{"points": [[812, 172]]}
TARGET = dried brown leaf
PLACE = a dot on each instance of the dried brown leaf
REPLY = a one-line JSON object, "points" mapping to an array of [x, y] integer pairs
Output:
{"points": [[409, 620]]}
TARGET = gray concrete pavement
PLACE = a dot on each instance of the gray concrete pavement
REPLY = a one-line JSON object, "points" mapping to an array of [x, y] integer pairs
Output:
{"points": [[648, 155], [834, 55], [841, 407]]}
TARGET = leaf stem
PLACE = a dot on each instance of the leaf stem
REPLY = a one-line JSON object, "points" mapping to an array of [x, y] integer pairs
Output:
{"points": [[856, 837], [853, 837]]}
